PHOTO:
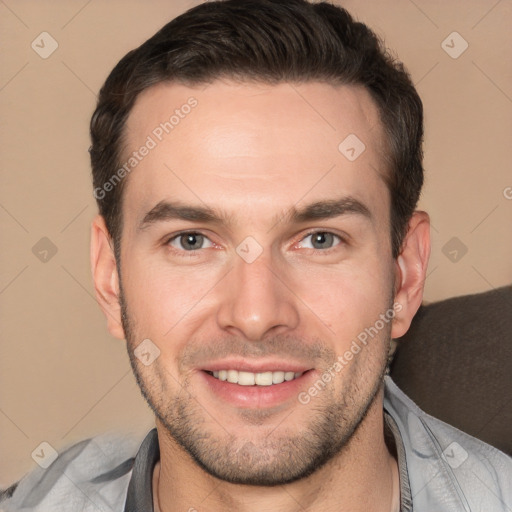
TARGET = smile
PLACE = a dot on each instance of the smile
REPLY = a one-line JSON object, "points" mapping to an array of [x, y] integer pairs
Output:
{"points": [[255, 379]]}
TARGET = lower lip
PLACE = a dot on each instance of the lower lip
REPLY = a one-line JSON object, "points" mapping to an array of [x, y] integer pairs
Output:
{"points": [[257, 396]]}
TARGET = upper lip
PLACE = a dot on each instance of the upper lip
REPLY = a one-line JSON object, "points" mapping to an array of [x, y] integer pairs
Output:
{"points": [[244, 365]]}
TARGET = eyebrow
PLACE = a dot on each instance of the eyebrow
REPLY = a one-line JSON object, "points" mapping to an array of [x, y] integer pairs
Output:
{"points": [[326, 209]]}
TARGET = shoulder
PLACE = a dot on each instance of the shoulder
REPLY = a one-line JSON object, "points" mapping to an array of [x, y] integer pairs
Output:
{"points": [[445, 465], [91, 475]]}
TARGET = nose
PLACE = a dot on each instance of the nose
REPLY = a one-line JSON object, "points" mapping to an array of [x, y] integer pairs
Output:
{"points": [[257, 299]]}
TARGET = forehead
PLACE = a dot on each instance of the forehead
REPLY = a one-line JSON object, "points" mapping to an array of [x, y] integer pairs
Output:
{"points": [[249, 145]]}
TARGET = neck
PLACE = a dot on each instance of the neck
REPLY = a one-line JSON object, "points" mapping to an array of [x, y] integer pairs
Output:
{"points": [[363, 476]]}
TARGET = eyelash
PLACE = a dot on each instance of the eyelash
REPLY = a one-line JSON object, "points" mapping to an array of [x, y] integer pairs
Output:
{"points": [[341, 241], [193, 253], [182, 252]]}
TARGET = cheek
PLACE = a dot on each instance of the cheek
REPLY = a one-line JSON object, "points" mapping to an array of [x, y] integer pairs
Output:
{"points": [[162, 298], [348, 299]]}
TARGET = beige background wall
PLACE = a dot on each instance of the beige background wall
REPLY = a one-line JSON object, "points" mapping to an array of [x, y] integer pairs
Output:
{"points": [[62, 377]]}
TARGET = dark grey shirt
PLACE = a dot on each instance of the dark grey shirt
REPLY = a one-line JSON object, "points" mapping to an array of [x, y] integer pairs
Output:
{"points": [[140, 490]]}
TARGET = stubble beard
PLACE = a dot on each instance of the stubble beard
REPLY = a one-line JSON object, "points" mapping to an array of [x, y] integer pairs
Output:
{"points": [[282, 454]]}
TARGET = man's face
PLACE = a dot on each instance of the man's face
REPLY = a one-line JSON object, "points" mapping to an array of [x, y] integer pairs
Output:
{"points": [[291, 264]]}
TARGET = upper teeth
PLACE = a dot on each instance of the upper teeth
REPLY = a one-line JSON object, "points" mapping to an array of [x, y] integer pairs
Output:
{"points": [[250, 379]]}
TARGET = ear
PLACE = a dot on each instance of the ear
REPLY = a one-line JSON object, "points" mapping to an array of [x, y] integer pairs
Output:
{"points": [[105, 275], [411, 269]]}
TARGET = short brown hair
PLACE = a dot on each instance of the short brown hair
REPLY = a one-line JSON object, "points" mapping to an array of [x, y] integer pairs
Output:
{"points": [[269, 41]]}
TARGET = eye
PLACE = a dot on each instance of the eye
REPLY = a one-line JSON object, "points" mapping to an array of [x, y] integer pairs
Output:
{"points": [[190, 241], [320, 240]]}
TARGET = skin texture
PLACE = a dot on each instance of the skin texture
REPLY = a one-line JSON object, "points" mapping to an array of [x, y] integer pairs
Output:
{"points": [[253, 152]]}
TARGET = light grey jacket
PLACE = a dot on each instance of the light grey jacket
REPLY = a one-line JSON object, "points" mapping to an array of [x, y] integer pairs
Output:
{"points": [[441, 470], [449, 471]]}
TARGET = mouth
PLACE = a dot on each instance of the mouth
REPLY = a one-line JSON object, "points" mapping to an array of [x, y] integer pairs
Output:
{"points": [[265, 378], [256, 386]]}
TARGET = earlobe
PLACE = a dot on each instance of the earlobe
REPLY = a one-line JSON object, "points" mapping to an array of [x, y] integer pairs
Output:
{"points": [[105, 275], [411, 269]]}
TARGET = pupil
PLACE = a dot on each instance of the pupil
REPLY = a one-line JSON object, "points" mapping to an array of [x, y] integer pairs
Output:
{"points": [[191, 241], [322, 238]]}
